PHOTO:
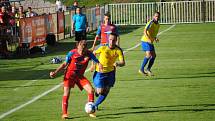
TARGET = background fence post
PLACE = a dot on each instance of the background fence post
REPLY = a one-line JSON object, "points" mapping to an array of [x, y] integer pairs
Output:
{"points": [[203, 11]]}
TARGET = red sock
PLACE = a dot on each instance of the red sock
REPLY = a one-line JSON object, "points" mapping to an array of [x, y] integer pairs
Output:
{"points": [[65, 104], [90, 97]]}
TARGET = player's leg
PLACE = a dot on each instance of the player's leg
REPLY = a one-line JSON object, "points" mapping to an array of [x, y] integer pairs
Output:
{"points": [[108, 82], [65, 99], [146, 48], [90, 92], [102, 92], [68, 84], [145, 61], [151, 61]]}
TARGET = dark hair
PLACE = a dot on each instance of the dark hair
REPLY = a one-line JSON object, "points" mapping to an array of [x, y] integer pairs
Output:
{"points": [[107, 14], [114, 34], [157, 13]]}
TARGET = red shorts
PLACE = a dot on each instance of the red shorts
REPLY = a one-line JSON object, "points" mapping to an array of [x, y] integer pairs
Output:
{"points": [[80, 81]]}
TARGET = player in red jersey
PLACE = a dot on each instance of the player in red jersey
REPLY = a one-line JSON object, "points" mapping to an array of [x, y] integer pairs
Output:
{"points": [[76, 63], [104, 30]]}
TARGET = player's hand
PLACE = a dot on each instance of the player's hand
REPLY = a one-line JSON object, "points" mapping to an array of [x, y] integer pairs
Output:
{"points": [[100, 67], [92, 68], [116, 64], [157, 40], [88, 29], [93, 48], [52, 74]]}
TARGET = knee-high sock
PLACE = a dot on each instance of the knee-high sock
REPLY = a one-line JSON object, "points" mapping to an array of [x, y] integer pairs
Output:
{"points": [[145, 61], [100, 99], [90, 97], [151, 62], [65, 104]]}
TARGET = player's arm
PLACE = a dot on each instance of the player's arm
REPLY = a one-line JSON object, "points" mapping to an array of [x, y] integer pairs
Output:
{"points": [[146, 31], [73, 24], [121, 61], [87, 27], [156, 38], [92, 67], [62, 66], [118, 38], [96, 61], [97, 37]]}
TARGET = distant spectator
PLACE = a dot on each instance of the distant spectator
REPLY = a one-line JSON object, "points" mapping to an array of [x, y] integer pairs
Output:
{"points": [[5, 3], [3, 31], [19, 15], [98, 17], [74, 6], [79, 25], [59, 5], [30, 13], [12, 13], [4, 17]]}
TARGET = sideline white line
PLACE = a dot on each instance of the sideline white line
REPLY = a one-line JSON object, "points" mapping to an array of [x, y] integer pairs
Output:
{"points": [[140, 43], [57, 86]]}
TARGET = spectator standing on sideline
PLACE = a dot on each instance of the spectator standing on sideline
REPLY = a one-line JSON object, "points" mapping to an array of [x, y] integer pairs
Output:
{"points": [[79, 25], [59, 5], [74, 6], [30, 13]]}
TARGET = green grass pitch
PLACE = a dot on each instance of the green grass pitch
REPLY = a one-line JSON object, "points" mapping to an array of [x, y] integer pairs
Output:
{"points": [[181, 90]]}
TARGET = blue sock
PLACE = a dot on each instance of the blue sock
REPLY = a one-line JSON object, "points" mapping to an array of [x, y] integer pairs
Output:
{"points": [[145, 61], [100, 99], [151, 62]]}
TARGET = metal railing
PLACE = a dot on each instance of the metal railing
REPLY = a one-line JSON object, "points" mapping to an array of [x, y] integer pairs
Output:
{"points": [[171, 12]]}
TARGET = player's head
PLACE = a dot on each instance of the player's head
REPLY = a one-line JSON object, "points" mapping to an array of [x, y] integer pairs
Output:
{"points": [[156, 16], [3, 9], [106, 17], [112, 40], [20, 8], [78, 10], [29, 9], [75, 3], [82, 45]]}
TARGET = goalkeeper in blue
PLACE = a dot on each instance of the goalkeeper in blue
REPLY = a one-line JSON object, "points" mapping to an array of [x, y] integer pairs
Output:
{"points": [[150, 35]]}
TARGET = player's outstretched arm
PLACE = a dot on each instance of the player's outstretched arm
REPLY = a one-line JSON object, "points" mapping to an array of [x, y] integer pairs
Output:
{"points": [[61, 67], [119, 63], [94, 42]]}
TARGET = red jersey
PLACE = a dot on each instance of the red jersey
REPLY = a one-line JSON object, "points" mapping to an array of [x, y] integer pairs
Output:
{"points": [[105, 30], [78, 63]]}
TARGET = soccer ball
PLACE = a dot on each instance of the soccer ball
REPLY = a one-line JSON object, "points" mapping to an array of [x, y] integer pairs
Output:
{"points": [[90, 107]]}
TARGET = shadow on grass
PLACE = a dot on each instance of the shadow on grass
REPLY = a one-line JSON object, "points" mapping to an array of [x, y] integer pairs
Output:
{"points": [[157, 109], [36, 85], [26, 74], [154, 109], [167, 78]]}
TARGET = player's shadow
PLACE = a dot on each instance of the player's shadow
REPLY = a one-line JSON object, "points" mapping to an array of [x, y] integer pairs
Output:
{"points": [[167, 78], [26, 86], [185, 77], [157, 109], [26, 74]]}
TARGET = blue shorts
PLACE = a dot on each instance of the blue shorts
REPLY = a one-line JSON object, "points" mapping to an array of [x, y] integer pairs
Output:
{"points": [[102, 80], [147, 46]]}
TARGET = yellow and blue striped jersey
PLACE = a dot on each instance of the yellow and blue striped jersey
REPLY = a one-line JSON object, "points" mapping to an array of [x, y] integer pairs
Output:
{"points": [[107, 57], [152, 30]]}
